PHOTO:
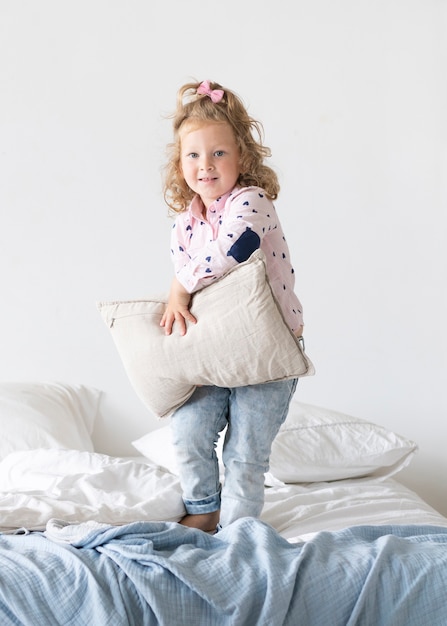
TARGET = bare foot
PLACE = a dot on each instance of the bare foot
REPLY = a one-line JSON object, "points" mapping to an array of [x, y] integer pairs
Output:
{"points": [[203, 521]]}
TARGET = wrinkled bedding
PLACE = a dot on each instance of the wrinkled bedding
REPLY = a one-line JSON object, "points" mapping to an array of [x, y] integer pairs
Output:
{"points": [[38, 485], [163, 573], [89, 539]]}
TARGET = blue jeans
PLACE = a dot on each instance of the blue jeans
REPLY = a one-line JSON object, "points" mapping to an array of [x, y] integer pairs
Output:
{"points": [[253, 415]]}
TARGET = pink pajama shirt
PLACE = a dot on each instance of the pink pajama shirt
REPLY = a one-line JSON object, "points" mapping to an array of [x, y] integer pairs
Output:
{"points": [[236, 224]]}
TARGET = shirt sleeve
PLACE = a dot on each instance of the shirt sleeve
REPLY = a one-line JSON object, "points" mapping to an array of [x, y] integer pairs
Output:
{"points": [[247, 216]]}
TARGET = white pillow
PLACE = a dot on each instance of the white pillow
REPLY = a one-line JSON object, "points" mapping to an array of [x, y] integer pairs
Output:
{"points": [[313, 445], [158, 448], [46, 415], [316, 444], [240, 338]]}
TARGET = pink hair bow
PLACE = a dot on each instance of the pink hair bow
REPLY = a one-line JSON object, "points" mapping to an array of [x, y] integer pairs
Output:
{"points": [[204, 89]]}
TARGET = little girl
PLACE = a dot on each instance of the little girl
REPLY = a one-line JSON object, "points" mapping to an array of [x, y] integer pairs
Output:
{"points": [[220, 188]]}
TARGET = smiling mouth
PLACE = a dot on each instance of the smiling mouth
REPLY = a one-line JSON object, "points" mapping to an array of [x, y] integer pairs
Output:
{"points": [[207, 179]]}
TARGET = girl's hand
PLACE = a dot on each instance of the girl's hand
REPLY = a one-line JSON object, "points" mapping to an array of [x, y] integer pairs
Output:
{"points": [[177, 309]]}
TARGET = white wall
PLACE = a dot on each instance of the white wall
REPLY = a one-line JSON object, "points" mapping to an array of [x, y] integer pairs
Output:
{"points": [[353, 97]]}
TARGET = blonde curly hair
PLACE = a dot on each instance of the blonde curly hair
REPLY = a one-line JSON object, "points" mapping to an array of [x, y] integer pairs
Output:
{"points": [[194, 109]]}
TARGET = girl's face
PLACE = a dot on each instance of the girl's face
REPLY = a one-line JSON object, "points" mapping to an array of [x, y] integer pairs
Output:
{"points": [[209, 159]]}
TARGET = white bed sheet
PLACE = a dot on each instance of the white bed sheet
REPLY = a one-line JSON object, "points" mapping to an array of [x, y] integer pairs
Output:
{"points": [[299, 511], [39, 485]]}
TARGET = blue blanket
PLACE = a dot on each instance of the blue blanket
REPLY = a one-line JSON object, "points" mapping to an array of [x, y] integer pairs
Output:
{"points": [[163, 573]]}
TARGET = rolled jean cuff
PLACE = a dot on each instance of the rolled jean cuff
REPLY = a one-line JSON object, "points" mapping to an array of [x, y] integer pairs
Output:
{"points": [[204, 505]]}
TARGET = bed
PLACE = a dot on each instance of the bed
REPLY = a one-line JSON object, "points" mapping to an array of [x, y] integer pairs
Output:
{"points": [[87, 538]]}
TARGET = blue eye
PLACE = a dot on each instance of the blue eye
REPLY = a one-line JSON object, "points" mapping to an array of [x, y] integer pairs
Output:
{"points": [[219, 153]]}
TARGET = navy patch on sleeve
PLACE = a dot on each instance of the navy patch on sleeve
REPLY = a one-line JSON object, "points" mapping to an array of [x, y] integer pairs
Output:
{"points": [[243, 248]]}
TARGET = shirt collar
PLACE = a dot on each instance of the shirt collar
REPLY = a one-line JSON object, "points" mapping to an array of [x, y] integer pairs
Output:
{"points": [[196, 205]]}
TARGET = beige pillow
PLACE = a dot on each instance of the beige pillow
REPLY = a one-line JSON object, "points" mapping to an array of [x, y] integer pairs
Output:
{"points": [[240, 339]]}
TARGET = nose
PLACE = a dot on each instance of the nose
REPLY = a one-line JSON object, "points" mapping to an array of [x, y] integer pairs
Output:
{"points": [[206, 163]]}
